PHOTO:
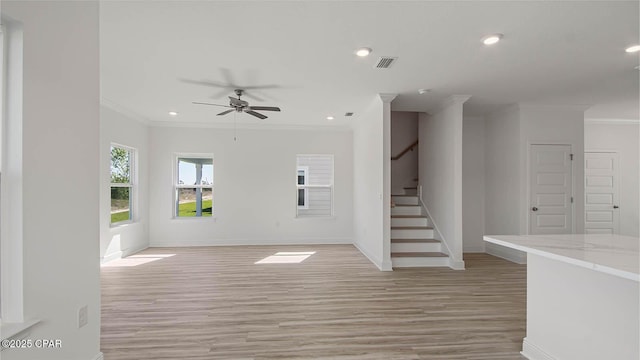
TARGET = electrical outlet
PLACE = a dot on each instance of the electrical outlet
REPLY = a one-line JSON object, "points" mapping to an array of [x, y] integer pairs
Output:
{"points": [[83, 316]]}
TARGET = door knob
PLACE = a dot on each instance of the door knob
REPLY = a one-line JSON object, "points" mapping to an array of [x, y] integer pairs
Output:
{"points": [[534, 208], [616, 206]]}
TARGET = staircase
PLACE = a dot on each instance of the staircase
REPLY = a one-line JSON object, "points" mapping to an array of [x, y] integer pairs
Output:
{"points": [[412, 238]]}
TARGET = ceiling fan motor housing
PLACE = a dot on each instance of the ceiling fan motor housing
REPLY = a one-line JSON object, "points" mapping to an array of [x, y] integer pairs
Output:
{"points": [[240, 105]]}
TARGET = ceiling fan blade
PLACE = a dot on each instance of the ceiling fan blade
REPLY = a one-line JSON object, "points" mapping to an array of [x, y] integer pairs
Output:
{"points": [[220, 94], [226, 74], [226, 112], [203, 103], [206, 83], [252, 96], [258, 115], [265, 108], [262, 87]]}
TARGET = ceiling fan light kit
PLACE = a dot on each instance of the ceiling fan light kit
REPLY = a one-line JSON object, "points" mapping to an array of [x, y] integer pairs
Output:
{"points": [[239, 105]]}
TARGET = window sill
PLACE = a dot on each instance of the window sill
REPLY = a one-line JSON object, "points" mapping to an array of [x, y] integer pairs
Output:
{"points": [[196, 218], [122, 224], [10, 330]]}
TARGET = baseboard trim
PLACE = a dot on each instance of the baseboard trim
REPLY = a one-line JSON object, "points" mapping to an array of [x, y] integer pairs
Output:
{"points": [[386, 266], [122, 254], [245, 242], [110, 257], [456, 264], [513, 255], [129, 252], [533, 352], [377, 262], [100, 356], [474, 250]]}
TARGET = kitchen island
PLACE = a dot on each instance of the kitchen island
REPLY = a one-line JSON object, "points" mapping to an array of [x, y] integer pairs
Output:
{"points": [[582, 295]]}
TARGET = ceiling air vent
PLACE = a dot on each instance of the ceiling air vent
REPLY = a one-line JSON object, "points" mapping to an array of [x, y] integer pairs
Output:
{"points": [[385, 62], [348, 114]]}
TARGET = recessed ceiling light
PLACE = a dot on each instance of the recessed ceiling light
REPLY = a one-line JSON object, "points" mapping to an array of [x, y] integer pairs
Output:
{"points": [[632, 49], [329, 117], [491, 39], [173, 113], [362, 52]]}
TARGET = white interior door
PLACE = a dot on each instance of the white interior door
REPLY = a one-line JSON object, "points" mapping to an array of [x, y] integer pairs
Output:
{"points": [[601, 212], [550, 202]]}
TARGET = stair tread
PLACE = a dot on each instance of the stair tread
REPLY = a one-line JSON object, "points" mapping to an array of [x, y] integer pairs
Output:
{"points": [[414, 241], [412, 187], [407, 205], [410, 216], [411, 228], [418, 254], [404, 195]]}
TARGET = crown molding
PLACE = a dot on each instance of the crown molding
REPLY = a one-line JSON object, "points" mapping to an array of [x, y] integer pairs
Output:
{"points": [[245, 126], [543, 106], [612, 121], [387, 98], [449, 101], [123, 110]]}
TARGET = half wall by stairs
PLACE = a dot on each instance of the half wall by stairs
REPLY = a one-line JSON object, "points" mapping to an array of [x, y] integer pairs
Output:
{"points": [[412, 236]]}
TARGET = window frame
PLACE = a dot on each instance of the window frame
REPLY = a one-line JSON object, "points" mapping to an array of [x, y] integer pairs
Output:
{"points": [[331, 188], [132, 185], [303, 187], [12, 317], [177, 185]]}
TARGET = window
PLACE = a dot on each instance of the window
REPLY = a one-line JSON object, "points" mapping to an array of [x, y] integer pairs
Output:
{"points": [[194, 186], [122, 161], [314, 185], [303, 193], [11, 188]]}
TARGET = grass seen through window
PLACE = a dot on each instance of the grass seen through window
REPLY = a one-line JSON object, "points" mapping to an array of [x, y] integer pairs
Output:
{"points": [[189, 208]]}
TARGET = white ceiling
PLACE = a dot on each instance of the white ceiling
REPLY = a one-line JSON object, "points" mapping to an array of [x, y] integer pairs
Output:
{"points": [[564, 52]]}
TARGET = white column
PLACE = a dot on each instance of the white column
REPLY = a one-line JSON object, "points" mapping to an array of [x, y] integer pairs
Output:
{"points": [[386, 183]]}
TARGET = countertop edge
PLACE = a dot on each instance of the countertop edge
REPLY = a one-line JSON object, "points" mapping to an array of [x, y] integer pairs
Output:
{"points": [[582, 263]]}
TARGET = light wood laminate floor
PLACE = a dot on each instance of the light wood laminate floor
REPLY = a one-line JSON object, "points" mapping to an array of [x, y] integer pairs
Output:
{"points": [[216, 303]]}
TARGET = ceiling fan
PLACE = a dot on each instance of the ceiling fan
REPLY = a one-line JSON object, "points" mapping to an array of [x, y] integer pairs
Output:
{"points": [[240, 105]]}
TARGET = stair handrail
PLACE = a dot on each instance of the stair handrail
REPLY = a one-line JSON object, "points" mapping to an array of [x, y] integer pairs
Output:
{"points": [[410, 147]]}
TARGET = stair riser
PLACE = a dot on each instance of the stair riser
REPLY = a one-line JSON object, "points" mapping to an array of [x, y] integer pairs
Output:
{"points": [[409, 222], [406, 210], [412, 233], [410, 191], [416, 247], [405, 200], [419, 262]]}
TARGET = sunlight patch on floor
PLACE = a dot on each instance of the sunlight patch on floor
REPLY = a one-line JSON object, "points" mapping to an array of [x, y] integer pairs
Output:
{"points": [[135, 260], [286, 257]]}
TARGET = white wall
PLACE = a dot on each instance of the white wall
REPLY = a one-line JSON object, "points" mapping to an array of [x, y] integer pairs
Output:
{"points": [[552, 125], [508, 136], [624, 139], [404, 132], [123, 240], [502, 177], [368, 188], [254, 187], [473, 188], [440, 173], [61, 175]]}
